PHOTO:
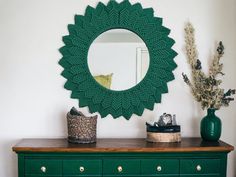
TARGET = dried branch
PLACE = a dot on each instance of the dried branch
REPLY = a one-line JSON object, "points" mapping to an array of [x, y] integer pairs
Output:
{"points": [[205, 88]]}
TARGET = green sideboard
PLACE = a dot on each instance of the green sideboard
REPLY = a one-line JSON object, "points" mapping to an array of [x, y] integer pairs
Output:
{"points": [[192, 157]]}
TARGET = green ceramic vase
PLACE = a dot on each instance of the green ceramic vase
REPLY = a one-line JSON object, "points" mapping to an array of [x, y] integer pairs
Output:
{"points": [[210, 126]]}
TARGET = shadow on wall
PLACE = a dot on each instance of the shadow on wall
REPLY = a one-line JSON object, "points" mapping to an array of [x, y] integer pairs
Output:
{"points": [[194, 126], [63, 118], [10, 157], [148, 116], [196, 119], [234, 161]]}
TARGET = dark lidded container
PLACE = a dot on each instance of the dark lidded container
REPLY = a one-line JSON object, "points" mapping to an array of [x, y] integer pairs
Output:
{"points": [[164, 133]]}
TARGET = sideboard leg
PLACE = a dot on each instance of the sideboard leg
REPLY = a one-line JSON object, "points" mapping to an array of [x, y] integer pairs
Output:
{"points": [[224, 165], [21, 165]]}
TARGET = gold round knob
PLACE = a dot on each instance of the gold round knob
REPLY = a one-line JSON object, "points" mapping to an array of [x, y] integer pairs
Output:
{"points": [[199, 168], [158, 168], [81, 169], [43, 169], [119, 168]]}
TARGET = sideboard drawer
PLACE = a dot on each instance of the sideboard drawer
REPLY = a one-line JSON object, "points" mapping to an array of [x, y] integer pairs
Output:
{"points": [[121, 167], [82, 167], [160, 166], [200, 166], [43, 167]]}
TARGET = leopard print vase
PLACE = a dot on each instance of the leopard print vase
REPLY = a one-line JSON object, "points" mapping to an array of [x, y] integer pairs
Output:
{"points": [[81, 129]]}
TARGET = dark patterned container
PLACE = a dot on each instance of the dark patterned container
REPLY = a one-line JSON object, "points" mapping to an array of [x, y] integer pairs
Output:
{"points": [[81, 129]]}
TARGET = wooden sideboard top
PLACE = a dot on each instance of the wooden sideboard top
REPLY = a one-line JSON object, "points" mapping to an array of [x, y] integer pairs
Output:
{"points": [[120, 145]]}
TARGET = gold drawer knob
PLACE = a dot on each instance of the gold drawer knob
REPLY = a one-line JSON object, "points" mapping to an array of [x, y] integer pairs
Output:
{"points": [[81, 169], [119, 168], [43, 169], [158, 168], [199, 168]]}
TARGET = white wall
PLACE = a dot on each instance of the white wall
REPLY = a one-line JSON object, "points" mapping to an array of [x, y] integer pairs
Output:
{"points": [[33, 102]]}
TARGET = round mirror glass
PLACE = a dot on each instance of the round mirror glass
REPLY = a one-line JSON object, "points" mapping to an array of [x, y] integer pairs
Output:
{"points": [[118, 59]]}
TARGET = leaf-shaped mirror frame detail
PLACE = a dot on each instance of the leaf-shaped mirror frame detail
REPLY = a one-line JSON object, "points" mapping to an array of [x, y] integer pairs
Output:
{"points": [[97, 20]]}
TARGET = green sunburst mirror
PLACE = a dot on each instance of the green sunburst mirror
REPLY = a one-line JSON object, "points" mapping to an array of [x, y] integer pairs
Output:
{"points": [[82, 83]]}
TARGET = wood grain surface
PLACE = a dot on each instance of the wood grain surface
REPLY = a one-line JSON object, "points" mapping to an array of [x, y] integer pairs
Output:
{"points": [[120, 145]]}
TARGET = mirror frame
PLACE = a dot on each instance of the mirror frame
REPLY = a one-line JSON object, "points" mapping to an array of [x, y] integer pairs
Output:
{"points": [[97, 20]]}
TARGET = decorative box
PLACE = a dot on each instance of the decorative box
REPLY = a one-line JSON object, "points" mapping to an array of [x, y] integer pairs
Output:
{"points": [[163, 134]]}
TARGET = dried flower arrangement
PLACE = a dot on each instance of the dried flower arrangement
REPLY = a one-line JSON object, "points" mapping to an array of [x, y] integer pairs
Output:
{"points": [[205, 88]]}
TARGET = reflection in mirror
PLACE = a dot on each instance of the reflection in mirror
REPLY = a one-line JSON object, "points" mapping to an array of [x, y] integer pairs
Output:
{"points": [[118, 59]]}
